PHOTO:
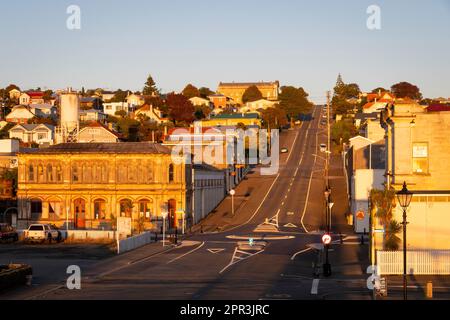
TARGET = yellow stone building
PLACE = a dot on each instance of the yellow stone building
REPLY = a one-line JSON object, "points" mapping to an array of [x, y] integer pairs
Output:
{"points": [[235, 90], [90, 184]]}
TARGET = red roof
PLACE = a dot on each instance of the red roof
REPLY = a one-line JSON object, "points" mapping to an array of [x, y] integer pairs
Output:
{"points": [[35, 94], [95, 124], [438, 107]]}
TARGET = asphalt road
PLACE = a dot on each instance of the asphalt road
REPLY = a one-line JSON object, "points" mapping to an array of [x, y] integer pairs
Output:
{"points": [[214, 266]]}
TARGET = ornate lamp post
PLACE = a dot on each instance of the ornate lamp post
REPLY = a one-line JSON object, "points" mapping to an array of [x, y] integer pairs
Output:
{"points": [[404, 198]]}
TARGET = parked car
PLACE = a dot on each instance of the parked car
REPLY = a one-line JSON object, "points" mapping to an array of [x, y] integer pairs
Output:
{"points": [[8, 233], [41, 232], [54, 227], [284, 150]]}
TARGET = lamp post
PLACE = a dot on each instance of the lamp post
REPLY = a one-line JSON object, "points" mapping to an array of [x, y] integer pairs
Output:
{"points": [[164, 216], [232, 193], [329, 205], [404, 198]]}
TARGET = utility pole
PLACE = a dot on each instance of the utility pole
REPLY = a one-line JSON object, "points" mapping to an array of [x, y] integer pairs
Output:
{"points": [[328, 140]]}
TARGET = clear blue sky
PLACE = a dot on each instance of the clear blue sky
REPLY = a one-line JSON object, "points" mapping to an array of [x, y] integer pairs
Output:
{"points": [[301, 43]]}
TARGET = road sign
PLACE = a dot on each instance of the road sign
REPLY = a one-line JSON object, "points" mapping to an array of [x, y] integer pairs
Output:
{"points": [[232, 192], [251, 242], [360, 215], [326, 239]]}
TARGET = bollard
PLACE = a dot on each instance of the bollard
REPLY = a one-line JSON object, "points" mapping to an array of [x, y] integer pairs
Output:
{"points": [[341, 237], [362, 239], [429, 290]]}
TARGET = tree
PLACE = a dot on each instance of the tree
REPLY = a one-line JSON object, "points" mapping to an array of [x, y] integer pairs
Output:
{"points": [[121, 113], [382, 203], [379, 89], [406, 90], [343, 92], [294, 101], [150, 87], [180, 108], [205, 92], [342, 131], [191, 91], [120, 96], [252, 93], [11, 87], [274, 117], [48, 95], [202, 112]]}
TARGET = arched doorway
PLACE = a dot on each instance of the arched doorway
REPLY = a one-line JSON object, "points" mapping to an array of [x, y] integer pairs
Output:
{"points": [[172, 218], [80, 213]]}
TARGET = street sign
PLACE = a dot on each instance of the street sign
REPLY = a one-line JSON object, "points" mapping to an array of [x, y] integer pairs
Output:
{"points": [[232, 192], [326, 239], [360, 215]]}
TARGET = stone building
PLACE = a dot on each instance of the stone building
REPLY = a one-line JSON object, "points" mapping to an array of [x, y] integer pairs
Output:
{"points": [[235, 90], [90, 184]]}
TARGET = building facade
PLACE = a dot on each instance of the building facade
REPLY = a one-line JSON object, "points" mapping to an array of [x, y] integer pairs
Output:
{"points": [[89, 185], [235, 90]]}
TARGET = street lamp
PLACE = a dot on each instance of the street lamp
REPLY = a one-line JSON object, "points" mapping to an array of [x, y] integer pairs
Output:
{"points": [[164, 216], [404, 198], [232, 193]]}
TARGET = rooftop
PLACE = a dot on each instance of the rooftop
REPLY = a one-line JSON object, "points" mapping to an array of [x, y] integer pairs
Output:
{"points": [[236, 116], [247, 84], [114, 148]]}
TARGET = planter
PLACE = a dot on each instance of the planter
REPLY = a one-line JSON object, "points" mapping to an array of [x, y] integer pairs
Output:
{"points": [[14, 274]]}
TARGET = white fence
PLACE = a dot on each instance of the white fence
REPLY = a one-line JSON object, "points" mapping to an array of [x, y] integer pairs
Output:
{"points": [[89, 234], [423, 262], [134, 242]]}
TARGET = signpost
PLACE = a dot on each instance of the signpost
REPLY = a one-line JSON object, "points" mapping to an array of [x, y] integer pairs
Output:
{"points": [[326, 239], [360, 215]]}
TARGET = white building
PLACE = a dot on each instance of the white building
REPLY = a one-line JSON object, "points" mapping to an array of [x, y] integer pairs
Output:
{"points": [[111, 108], [92, 115], [33, 133], [365, 167], [258, 105], [209, 190]]}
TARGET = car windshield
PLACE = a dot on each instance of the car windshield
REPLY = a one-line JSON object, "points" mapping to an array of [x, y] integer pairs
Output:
{"points": [[36, 228]]}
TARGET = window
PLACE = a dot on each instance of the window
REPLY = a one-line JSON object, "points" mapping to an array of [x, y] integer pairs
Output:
{"points": [[42, 136], [126, 206], [144, 209], [49, 173], [171, 173], [75, 176], [40, 173], [55, 210], [59, 174], [36, 209], [30, 173], [99, 209], [420, 157]]}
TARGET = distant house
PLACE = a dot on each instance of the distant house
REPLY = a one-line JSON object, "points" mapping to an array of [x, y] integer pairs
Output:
{"points": [[20, 114], [33, 133], [254, 106], [136, 100], [14, 94], [220, 101], [92, 115], [106, 96], [247, 119], [153, 113], [112, 107], [31, 97], [23, 113], [96, 132], [24, 99], [198, 102], [87, 103]]}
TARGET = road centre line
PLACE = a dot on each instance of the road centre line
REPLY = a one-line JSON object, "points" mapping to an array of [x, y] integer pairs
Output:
{"points": [[183, 255], [315, 286]]}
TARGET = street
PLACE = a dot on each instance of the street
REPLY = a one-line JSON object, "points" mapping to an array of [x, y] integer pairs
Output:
{"points": [[284, 212]]}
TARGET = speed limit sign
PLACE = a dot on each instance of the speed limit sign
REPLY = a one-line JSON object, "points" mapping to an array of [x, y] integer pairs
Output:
{"points": [[326, 239]]}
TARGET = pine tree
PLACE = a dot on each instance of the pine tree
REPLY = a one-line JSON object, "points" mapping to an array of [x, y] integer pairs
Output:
{"points": [[150, 87]]}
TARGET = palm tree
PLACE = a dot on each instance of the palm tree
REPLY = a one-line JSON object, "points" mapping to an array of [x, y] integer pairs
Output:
{"points": [[382, 204]]}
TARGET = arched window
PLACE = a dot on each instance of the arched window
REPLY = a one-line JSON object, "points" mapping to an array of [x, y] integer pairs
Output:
{"points": [[59, 173], [31, 173], [49, 173], [99, 209], [126, 207], [40, 173], [171, 173], [75, 175]]}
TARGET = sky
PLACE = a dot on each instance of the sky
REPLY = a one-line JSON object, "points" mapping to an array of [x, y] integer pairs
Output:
{"points": [[203, 42]]}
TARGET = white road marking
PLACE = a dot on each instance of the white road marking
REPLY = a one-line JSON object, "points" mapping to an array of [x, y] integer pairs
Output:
{"points": [[315, 286], [293, 143], [183, 255], [262, 238], [239, 259], [216, 250], [290, 225], [300, 252]]}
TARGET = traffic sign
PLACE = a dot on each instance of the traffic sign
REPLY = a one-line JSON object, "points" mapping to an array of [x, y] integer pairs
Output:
{"points": [[360, 215], [251, 242], [232, 192], [326, 239]]}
